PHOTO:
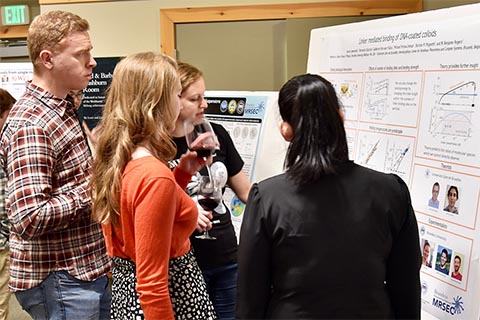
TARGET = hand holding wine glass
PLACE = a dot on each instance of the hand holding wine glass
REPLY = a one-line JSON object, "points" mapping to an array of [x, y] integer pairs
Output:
{"points": [[204, 219], [209, 196], [191, 163]]}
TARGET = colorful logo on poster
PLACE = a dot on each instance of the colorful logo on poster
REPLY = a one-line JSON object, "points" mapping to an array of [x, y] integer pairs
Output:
{"points": [[232, 106], [240, 106], [254, 110], [237, 206], [454, 308], [223, 106]]}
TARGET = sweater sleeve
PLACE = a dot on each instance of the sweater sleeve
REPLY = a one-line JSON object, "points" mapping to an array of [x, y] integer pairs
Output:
{"points": [[182, 177], [154, 218], [254, 262], [403, 266]]}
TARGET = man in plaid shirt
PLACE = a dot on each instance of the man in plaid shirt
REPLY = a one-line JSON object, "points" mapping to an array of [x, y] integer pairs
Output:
{"points": [[6, 103], [58, 259]]}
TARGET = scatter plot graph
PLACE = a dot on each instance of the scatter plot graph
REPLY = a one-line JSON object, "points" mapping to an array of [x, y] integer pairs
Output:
{"points": [[453, 110], [377, 98]]}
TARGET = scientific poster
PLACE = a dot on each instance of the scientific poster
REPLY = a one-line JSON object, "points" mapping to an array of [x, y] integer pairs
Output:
{"points": [[410, 90], [243, 115]]}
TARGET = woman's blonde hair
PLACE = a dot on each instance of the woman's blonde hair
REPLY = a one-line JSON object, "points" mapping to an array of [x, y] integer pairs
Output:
{"points": [[140, 110], [188, 74]]}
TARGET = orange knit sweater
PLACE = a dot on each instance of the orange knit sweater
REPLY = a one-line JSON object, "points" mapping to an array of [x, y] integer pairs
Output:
{"points": [[157, 217]]}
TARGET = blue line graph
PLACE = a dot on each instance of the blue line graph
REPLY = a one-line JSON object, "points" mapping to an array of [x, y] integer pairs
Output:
{"points": [[454, 109], [462, 95]]}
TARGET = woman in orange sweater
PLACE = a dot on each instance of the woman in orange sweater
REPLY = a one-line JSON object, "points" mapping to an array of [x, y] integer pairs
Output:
{"points": [[147, 217]]}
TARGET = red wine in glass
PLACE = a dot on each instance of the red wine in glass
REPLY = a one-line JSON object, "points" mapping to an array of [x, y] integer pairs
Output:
{"points": [[201, 138], [209, 196], [208, 203], [203, 153]]}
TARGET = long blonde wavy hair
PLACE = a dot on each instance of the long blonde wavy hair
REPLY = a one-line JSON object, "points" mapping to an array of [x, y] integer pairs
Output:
{"points": [[140, 111]]}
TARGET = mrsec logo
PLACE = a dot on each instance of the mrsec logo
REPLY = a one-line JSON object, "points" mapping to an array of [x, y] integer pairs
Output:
{"points": [[452, 308], [255, 109]]}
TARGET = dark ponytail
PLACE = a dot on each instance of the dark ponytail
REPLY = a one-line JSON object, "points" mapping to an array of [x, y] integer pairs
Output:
{"points": [[309, 104]]}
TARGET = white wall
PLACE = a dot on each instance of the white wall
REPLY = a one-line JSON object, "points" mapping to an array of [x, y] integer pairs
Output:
{"points": [[124, 27]]}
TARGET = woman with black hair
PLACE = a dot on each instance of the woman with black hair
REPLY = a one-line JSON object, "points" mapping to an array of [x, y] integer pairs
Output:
{"points": [[328, 238]]}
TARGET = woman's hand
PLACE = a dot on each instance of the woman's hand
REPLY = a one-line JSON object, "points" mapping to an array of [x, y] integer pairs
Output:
{"points": [[191, 164], [91, 135], [204, 220]]}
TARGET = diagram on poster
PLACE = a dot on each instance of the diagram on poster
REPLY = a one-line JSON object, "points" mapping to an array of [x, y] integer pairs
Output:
{"points": [[386, 153], [348, 88], [452, 118], [453, 109], [392, 98]]}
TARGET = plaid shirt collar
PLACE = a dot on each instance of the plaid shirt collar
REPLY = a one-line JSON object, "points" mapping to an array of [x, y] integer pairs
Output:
{"points": [[50, 100]]}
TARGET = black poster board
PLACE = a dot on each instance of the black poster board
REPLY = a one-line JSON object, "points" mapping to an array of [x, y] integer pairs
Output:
{"points": [[95, 94]]}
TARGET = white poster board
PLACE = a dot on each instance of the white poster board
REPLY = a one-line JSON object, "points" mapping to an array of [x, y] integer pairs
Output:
{"points": [[14, 75], [410, 87], [250, 118]]}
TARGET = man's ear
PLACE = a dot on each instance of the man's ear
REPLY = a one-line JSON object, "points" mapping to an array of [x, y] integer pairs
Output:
{"points": [[286, 130], [46, 58]]}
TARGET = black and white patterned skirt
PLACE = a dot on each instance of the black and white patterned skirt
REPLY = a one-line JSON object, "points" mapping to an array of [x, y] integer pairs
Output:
{"points": [[188, 291]]}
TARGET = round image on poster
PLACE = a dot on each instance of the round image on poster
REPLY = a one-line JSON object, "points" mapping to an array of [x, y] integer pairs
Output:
{"points": [[232, 106], [240, 106], [236, 132], [223, 106], [237, 206]]}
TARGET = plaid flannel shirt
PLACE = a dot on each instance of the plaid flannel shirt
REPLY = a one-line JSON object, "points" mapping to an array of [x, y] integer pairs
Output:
{"points": [[4, 223], [48, 165]]}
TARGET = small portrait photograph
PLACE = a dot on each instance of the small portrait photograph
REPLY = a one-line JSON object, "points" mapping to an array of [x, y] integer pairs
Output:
{"points": [[451, 200], [427, 248], [457, 266], [444, 256], [433, 202]]}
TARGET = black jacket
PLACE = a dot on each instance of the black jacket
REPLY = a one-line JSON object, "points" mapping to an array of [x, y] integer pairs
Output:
{"points": [[344, 247]]}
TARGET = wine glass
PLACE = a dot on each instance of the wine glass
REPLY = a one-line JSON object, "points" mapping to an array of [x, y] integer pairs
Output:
{"points": [[201, 138], [209, 196]]}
